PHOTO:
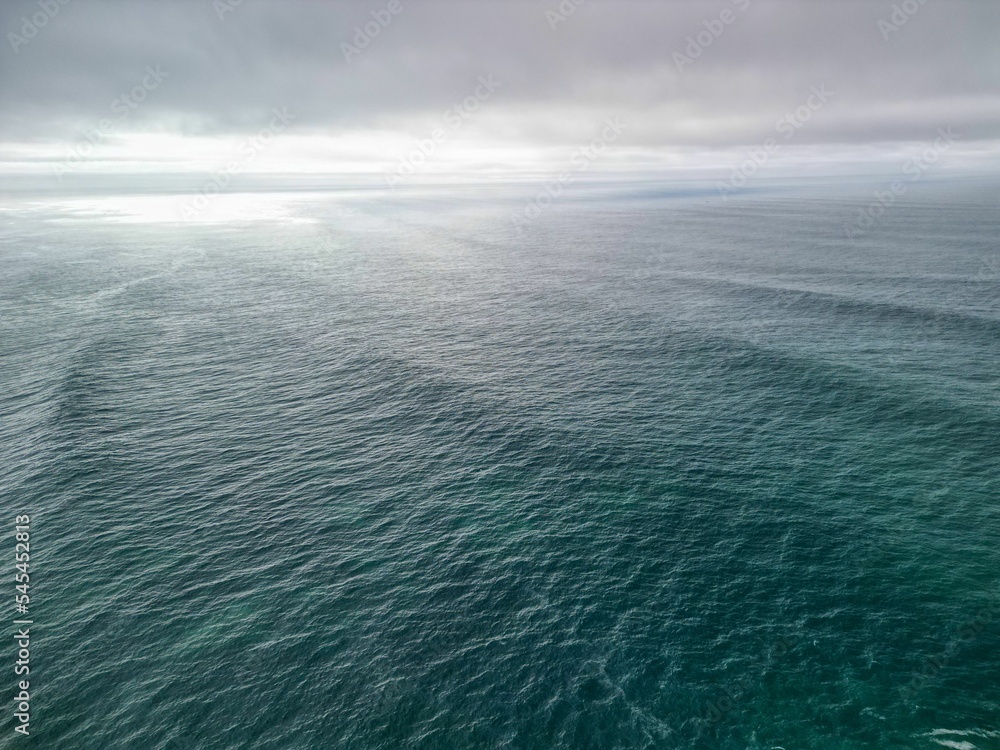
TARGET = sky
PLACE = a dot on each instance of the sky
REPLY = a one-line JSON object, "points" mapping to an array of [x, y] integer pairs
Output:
{"points": [[407, 89]]}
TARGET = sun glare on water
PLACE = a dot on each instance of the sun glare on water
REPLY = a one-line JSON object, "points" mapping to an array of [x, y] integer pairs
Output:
{"points": [[227, 208]]}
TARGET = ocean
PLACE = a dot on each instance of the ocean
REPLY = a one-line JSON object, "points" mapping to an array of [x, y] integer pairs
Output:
{"points": [[358, 468]]}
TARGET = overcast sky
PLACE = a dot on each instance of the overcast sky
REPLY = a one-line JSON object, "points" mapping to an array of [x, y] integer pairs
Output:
{"points": [[558, 72]]}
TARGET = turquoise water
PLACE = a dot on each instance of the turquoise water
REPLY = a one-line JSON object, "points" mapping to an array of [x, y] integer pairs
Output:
{"points": [[384, 471]]}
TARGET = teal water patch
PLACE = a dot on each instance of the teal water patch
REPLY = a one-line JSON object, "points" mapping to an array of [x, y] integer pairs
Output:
{"points": [[656, 473]]}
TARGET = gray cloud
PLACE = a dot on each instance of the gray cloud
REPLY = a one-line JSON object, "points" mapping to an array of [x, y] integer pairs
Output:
{"points": [[609, 56]]}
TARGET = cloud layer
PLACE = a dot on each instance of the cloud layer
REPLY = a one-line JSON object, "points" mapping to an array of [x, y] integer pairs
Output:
{"points": [[688, 77]]}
